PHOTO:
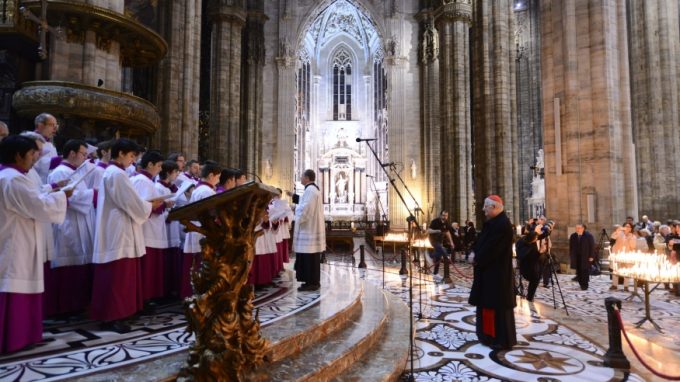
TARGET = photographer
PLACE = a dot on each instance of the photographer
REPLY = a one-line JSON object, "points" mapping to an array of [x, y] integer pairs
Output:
{"points": [[527, 255], [543, 229], [440, 232]]}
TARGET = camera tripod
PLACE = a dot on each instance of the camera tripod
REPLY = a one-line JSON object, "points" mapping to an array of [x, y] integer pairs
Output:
{"points": [[554, 280], [599, 252]]}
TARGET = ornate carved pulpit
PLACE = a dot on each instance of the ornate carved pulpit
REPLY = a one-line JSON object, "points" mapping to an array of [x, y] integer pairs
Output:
{"points": [[220, 313]]}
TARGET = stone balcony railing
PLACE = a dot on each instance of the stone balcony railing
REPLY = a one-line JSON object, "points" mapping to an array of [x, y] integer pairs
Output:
{"points": [[69, 99]]}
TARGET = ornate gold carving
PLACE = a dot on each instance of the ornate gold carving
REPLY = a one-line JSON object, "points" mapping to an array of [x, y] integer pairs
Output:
{"points": [[74, 99], [220, 313], [139, 45]]}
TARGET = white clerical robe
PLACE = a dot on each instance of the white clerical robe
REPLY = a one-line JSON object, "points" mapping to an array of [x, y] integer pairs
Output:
{"points": [[174, 228], [43, 229], [94, 180], [155, 234], [120, 215], [22, 206], [310, 225], [73, 239], [192, 243], [42, 167]]}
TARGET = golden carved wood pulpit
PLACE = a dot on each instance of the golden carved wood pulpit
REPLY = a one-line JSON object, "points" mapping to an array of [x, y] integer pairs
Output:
{"points": [[220, 312]]}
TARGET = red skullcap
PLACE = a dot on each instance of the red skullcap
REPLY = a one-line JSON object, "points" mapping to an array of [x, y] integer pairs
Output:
{"points": [[496, 199]]}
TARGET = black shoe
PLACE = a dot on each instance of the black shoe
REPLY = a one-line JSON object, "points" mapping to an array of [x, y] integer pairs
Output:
{"points": [[116, 326], [575, 278], [500, 347], [308, 287]]}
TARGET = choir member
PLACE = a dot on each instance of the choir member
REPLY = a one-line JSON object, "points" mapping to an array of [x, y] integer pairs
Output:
{"points": [[47, 126], [263, 269], [173, 254], [210, 176], [71, 267], [22, 207], [119, 242], [104, 156], [44, 229], [155, 234], [227, 180]]}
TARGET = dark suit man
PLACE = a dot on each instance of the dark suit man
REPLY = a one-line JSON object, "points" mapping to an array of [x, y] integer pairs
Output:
{"points": [[581, 254]]}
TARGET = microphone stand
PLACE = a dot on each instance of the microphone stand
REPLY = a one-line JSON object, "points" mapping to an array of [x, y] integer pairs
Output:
{"points": [[380, 221], [410, 220], [417, 209]]}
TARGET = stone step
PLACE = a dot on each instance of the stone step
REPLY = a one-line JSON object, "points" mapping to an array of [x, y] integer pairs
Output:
{"points": [[389, 358], [340, 304], [337, 352]]}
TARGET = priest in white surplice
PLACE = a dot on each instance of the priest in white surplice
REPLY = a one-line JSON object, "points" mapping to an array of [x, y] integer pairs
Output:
{"points": [[119, 242], [72, 264], [309, 236], [47, 126], [22, 208]]}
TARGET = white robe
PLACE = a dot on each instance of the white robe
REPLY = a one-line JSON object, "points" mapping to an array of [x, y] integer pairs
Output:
{"points": [[192, 244], [173, 228], [310, 225], [73, 239], [22, 207], [155, 234], [42, 167], [95, 178], [43, 229], [120, 215]]}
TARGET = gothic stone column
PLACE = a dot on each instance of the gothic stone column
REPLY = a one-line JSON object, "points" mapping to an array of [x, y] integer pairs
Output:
{"points": [[453, 23], [251, 124], [494, 121], [285, 116], [429, 110], [589, 166], [655, 61], [179, 73], [226, 141]]}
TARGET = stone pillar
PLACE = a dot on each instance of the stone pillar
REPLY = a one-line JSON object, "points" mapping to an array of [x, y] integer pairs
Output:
{"points": [[285, 116], [429, 105], [396, 73], [589, 166], [453, 25], [179, 77], [529, 112], [226, 141], [251, 124], [494, 121], [655, 94]]}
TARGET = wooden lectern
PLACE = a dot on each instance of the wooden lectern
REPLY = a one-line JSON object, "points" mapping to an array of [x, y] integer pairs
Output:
{"points": [[228, 340]]}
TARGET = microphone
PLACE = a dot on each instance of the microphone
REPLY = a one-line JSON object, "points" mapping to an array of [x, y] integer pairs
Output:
{"points": [[388, 164], [366, 139], [253, 174]]}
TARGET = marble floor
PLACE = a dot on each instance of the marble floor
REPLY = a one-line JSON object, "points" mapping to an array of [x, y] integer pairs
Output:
{"points": [[76, 346], [553, 346]]}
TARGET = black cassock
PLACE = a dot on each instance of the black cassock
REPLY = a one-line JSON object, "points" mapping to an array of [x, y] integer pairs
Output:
{"points": [[492, 289], [580, 249]]}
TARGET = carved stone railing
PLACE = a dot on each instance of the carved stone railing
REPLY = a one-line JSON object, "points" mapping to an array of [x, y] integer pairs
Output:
{"points": [[77, 100]]}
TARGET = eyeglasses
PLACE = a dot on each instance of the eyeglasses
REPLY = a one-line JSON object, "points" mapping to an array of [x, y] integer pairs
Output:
{"points": [[83, 153]]}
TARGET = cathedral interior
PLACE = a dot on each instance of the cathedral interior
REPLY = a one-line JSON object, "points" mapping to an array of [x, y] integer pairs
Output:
{"points": [[564, 108]]}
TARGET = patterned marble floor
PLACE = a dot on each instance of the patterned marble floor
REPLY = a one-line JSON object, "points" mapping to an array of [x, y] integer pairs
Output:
{"points": [[78, 347], [549, 350]]}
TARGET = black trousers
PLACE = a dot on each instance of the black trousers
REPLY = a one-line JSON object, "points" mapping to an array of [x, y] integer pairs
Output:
{"points": [[308, 268], [583, 276]]}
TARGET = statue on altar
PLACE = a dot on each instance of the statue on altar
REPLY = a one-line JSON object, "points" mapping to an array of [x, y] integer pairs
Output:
{"points": [[341, 188]]}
